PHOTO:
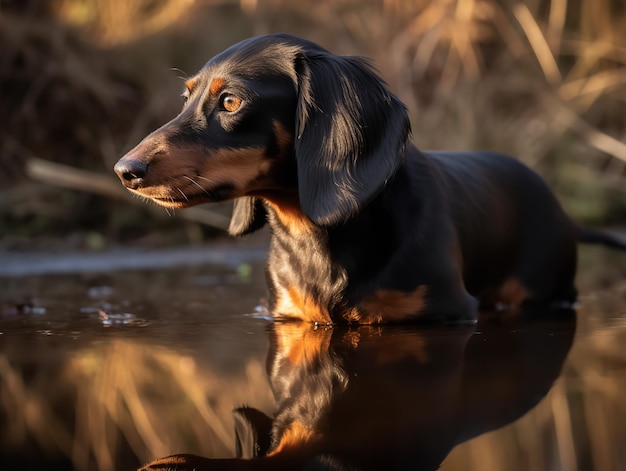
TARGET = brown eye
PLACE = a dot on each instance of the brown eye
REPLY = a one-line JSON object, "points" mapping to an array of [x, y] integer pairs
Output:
{"points": [[231, 102]]}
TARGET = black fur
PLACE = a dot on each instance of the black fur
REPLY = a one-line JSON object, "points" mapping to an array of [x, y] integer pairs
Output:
{"points": [[365, 227], [351, 135]]}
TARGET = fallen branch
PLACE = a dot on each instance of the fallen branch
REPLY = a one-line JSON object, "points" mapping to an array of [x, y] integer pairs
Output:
{"points": [[72, 178]]}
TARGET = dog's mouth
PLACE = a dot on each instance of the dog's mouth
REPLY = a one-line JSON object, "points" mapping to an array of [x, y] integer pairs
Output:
{"points": [[177, 198], [179, 203]]}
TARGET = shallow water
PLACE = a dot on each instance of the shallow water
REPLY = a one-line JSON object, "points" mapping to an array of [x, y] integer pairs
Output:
{"points": [[114, 367]]}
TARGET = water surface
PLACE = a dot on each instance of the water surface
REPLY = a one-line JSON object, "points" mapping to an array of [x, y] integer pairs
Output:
{"points": [[106, 367]]}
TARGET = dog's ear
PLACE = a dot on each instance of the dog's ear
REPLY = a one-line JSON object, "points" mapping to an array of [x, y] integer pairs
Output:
{"points": [[351, 135], [249, 215], [253, 431]]}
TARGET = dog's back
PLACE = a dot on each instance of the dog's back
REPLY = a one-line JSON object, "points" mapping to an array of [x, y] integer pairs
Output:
{"points": [[510, 227]]}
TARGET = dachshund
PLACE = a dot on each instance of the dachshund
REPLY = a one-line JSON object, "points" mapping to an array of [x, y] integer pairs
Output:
{"points": [[365, 227]]}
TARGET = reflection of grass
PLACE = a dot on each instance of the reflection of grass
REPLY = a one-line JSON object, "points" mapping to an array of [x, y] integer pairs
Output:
{"points": [[159, 401], [29, 414], [580, 425], [154, 399], [149, 395]]}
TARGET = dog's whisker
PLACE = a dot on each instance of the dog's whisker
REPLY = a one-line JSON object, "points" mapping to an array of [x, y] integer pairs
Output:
{"points": [[182, 193], [205, 179], [173, 201], [184, 75], [197, 184]]}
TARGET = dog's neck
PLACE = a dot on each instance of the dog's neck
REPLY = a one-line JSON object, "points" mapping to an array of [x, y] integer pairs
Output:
{"points": [[286, 214], [315, 267]]}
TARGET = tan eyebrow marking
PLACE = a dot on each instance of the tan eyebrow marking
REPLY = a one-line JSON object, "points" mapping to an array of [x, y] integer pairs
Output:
{"points": [[216, 86], [190, 84]]}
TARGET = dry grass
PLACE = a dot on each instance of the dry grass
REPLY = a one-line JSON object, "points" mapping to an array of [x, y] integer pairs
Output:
{"points": [[540, 79], [118, 22]]}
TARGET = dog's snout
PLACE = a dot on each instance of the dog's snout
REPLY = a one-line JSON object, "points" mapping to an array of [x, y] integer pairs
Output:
{"points": [[131, 172]]}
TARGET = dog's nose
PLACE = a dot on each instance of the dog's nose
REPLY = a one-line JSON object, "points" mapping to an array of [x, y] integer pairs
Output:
{"points": [[131, 172]]}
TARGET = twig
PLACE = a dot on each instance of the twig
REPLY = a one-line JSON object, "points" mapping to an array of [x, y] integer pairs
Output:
{"points": [[73, 178]]}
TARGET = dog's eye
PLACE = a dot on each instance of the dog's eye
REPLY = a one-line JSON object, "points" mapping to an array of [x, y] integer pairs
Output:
{"points": [[185, 95], [230, 102]]}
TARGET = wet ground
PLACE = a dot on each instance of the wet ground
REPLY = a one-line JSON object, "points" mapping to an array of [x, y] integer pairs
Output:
{"points": [[108, 361]]}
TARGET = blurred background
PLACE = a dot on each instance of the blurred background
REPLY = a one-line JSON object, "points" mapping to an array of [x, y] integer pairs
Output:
{"points": [[82, 81]]}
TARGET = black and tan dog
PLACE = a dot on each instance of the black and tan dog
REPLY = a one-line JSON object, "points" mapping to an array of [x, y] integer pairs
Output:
{"points": [[365, 227]]}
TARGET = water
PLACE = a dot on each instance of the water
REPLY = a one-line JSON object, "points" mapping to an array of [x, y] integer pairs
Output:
{"points": [[112, 368]]}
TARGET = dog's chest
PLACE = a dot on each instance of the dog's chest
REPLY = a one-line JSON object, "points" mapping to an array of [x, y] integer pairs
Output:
{"points": [[304, 282]]}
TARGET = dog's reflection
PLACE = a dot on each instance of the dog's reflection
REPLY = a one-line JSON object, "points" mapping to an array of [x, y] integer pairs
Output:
{"points": [[391, 397]]}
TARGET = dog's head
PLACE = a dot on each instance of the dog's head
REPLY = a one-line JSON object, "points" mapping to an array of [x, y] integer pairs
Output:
{"points": [[272, 116]]}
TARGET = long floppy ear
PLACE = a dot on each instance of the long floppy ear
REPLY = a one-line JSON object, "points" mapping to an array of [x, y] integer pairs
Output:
{"points": [[351, 135], [249, 215], [253, 432]]}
